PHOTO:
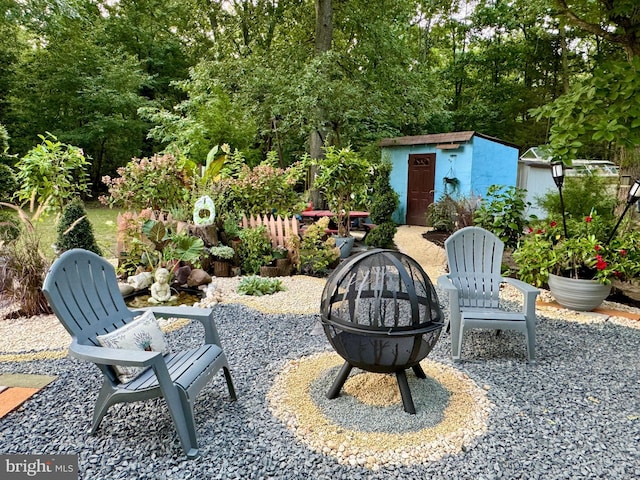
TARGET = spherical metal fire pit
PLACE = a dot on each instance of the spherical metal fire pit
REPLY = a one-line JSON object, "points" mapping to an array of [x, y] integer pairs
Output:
{"points": [[381, 313]]}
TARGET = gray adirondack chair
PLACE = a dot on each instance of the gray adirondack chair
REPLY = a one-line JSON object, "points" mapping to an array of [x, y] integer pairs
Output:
{"points": [[474, 257], [82, 289]]}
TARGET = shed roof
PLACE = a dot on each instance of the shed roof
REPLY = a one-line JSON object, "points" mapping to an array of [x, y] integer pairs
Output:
{"points": [[440, 138]]}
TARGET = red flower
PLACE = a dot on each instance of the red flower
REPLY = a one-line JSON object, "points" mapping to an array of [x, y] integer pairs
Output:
{"points": [[597, 248], [553, 224], [530, 230], [588, 219], [623, 252], [600, 263], [540, 231]]}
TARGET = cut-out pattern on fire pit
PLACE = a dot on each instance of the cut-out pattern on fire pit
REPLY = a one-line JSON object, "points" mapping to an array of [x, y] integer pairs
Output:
{"points": [[381, 313]]}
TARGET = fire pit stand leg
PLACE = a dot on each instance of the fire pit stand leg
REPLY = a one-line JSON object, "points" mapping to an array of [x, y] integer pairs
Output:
{"points": [[417, 369], [334, 391], [405, 393]]}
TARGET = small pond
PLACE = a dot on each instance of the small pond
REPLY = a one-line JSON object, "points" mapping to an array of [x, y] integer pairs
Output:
{"points": [[185, 296]]}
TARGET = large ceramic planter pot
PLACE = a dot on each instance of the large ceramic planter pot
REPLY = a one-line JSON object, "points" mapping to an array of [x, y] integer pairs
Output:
{"points": [[345, 244], [578, 294]]}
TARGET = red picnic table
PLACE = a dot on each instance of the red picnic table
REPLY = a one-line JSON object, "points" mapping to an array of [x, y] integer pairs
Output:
{"points": [[353, 214]]}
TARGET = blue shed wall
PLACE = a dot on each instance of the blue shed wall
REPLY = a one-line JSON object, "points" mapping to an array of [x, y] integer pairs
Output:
{"points": [[493, 164]]}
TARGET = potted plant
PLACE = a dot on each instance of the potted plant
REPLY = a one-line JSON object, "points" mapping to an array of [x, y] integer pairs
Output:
{"points": [[221, 254], [342, 177], [255, 249], [578, 268]]}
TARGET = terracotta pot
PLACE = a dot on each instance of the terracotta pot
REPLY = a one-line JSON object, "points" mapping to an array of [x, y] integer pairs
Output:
{"points": [[578, 294]]}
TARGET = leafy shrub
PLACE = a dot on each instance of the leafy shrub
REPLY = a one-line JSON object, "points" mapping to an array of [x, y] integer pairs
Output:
{"points": [[384, 203], [502, 212], [382, 235], [160, 183], [259, 190], [384, 200], [449, 214], [74, 229], [222, 252], [52, 173], [259, 286], [343, 177], [441, 215], [317, 252], [8, 183], [255, 249], [9, 226], [581, 195]]}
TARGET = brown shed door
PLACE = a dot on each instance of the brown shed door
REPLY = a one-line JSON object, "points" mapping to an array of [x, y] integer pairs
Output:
{"points": [[422, 169]]}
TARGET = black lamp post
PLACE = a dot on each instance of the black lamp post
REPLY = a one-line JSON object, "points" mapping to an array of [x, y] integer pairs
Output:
{"points": [[557, 172], [632, 197]]}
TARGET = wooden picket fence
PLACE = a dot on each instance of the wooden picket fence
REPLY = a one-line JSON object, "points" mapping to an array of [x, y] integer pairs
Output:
{"points": [[278, 228]]}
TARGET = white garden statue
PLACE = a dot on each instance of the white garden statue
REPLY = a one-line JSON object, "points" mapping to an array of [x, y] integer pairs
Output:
{"points": [[160, 290]]}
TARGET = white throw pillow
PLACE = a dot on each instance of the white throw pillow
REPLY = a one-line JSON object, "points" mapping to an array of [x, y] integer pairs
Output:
{"points": [[142, 333]]}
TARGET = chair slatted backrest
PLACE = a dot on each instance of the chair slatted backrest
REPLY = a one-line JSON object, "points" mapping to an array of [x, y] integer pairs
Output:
{"points": [[83, 292], [474, 256]]}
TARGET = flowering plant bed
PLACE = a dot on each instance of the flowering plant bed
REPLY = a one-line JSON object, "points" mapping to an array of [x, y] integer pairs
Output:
{"points": [[583, 254]]}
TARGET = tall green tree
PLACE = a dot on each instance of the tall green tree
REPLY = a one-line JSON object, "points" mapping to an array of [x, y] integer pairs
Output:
{"points": [[600, 108]]}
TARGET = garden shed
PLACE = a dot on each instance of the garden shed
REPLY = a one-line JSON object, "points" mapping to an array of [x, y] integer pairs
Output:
{"points": [[462, 164], [534, 175]]}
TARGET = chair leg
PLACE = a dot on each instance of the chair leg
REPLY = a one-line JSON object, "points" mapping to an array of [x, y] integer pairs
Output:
{"points": [[334, 391], [531, 340], [227, 376], [102, 405], [457, 331]]}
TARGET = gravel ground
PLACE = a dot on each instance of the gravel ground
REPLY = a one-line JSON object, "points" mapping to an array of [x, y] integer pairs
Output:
{"points": [[575, 414]]}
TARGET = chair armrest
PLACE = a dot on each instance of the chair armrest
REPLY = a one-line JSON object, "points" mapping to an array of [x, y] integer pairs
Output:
{"points": [[203, 315], [113, 356], [444, 282], [529, 293]]}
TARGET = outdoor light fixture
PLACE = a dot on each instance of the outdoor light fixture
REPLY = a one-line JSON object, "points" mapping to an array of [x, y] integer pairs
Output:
{"points": [[557, 172], [632, 197]]}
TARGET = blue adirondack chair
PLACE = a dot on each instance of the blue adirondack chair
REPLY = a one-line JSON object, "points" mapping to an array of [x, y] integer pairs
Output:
{"points": [[82, 289], [474, 257]]}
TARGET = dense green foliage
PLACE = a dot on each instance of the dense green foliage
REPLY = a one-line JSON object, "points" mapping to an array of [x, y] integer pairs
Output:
{"points": [[257, 76], [384, 202], [52, 173], [317, 252], [343, 177], [581, 195], [255, 249], [502, 212], [159, 183]]}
